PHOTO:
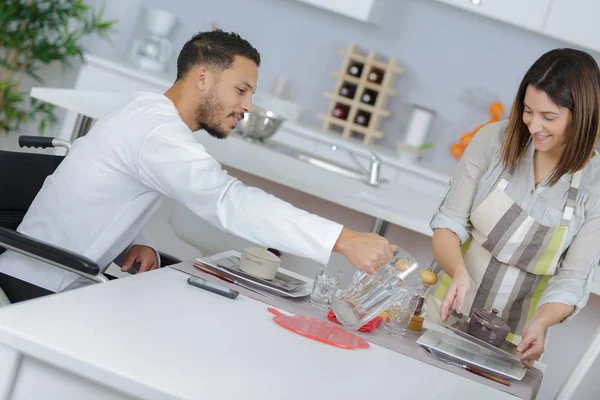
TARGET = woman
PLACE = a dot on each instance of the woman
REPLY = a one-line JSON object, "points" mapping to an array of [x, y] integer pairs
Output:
{"points": [[519, 229]]}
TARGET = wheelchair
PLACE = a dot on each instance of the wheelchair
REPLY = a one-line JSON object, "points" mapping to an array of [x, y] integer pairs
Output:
{"points": [[18, 192]]}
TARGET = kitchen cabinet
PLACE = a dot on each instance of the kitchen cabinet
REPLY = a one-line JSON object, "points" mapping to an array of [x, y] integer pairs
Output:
{"points": [[574, 21], [362, 10], [527, 14], [99, 73]]}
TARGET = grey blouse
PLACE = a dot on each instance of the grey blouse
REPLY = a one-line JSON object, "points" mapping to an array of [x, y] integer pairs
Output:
{"points": [[477, 173]]}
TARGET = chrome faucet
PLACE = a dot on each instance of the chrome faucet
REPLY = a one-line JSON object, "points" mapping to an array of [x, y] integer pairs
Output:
{"points": [[372, 174]]}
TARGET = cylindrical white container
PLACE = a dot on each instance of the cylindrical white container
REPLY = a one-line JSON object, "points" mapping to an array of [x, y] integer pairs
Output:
{"points": [[418, 127]]}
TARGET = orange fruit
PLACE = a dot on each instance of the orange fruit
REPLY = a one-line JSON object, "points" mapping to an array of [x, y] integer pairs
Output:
{"points": [[457, 150], [466, 138], [494, 119], [477, 128], [496, 109]]}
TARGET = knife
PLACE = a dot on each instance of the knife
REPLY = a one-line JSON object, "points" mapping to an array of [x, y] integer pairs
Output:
{"points": [[226, 278], [469, 368]]}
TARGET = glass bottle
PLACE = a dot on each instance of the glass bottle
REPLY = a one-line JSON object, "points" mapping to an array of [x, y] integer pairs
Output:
{"points": [[341, 111], [369, 97], [375, 76], [362, 118], [348, 90], [428, 279], [355, 69]]}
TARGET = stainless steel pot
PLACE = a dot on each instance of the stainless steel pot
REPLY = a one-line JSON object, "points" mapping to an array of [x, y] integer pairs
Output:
{"points": [[260, 124]]}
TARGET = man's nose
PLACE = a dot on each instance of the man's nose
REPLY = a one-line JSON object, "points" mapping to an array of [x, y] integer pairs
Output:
{"points": [[247, 104]]}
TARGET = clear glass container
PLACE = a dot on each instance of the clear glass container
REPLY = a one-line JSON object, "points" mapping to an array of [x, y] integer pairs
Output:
{"points": [[369, 295], [401, 312], [324, 287]]}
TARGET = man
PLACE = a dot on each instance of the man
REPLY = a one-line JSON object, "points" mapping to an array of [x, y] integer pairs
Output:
{"points": [[104, 193]]}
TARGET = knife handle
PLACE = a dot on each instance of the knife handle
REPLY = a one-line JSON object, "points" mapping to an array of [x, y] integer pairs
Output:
{"points": [[214, 273], [487, 375]]}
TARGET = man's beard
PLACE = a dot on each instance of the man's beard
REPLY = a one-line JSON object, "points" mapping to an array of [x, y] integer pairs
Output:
{"points": [[206, 114]]}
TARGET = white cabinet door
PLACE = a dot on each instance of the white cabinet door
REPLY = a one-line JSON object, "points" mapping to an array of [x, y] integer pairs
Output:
{"points": [[575, 21], [528, 14], [99, 73], [364, 10]]}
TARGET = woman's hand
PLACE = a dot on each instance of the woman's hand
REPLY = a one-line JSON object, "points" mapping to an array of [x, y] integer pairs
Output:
{"points": [[455, 296], [531, 347]]}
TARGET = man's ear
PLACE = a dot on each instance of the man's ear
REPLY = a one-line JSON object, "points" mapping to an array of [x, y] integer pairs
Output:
{"points": [[201, 78]]}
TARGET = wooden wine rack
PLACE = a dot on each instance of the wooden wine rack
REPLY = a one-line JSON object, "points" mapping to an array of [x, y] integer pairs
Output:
{"points": [[353, 106]]}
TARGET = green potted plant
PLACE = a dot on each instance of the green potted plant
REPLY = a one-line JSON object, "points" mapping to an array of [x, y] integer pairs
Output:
{"points": [[35, 33]]}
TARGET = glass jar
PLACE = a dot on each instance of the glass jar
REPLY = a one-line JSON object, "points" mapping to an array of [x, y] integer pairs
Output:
{"points": [[400, 313], [369, 295]]}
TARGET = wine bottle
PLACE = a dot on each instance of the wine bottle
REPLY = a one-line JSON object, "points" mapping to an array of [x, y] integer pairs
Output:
{"points": [[348, 90], [355, 69], [375, 76], [341, 111], [369, 97], [362, 118]]}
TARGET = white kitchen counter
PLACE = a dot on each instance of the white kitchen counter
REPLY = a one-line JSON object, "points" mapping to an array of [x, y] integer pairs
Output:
{"points": [[400, 205], [152, 336]]}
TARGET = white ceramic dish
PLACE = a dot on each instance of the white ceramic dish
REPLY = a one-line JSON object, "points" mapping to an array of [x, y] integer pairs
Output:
{"points": [[259, 262]]}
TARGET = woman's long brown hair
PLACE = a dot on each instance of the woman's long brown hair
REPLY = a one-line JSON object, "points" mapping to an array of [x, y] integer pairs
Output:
{"points": [[571, 78]]}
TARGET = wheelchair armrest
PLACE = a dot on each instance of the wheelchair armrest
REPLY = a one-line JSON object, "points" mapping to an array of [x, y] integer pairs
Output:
{"points": [[167, 259], [50, 254]]}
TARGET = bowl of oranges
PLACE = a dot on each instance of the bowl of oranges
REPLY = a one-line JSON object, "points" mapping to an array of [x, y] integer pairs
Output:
{"points": [[458, 148]]}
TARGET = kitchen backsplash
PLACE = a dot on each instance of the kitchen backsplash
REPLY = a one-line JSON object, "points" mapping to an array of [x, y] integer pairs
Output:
{"points": [[445, 52]]}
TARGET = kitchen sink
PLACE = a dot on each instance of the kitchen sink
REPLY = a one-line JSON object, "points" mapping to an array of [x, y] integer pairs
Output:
{"points": [[319, 162], [329, 166]]}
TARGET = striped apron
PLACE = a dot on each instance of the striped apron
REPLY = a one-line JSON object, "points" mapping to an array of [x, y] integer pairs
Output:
{"points": [[510, 258]]}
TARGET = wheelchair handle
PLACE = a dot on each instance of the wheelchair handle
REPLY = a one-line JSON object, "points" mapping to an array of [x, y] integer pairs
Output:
{"points": [[43, 142]]}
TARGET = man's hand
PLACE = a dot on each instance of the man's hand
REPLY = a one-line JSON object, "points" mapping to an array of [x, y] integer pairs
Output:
{"points": [[455, 296], [366, 251], [531, 347], [144, 255]]}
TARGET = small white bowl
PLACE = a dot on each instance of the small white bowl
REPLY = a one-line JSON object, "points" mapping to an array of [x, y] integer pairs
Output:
{"points": [[259, 262]]}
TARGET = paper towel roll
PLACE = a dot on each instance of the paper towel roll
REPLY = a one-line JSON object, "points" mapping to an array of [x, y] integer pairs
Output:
{"points": [[418, 127]]}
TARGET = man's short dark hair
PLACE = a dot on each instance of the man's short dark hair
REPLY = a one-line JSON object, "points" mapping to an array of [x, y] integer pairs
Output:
{"points": [[215, 49]]}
